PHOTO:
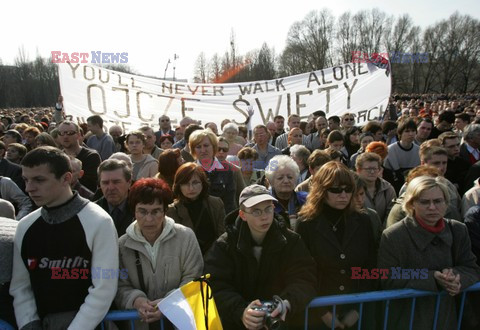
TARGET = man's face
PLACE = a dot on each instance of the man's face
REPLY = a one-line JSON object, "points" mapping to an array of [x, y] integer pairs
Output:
{"points": [[68, 136], [222, 151], [294, 122], [460, 124], [279, 124], [185, 122], [424, 130], [332, 124], [453, 147], [42, 186], [150, 139], [114, 186], [271, 128], [321, 123], [369, 171], [259, 225], [261, 137], [440, 162], [94, 128], [164, 122], [135, 145]]}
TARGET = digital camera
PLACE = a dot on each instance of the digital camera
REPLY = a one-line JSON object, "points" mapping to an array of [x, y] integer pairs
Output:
{"points": [[273, 323]]}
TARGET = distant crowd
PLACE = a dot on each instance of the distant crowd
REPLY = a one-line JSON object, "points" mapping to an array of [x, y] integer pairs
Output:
{"points": [[282, 211]]}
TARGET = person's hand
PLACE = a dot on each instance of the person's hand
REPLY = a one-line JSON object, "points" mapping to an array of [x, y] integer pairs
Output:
{"points": [[281, 310], [156, 315], [350, 318], [449, 281], [250, 111], [144, 308], [253, 319], [327, 320]]}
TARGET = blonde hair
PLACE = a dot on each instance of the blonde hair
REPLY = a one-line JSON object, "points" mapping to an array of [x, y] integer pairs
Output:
{"points": [[420, 184], [196, 138]]}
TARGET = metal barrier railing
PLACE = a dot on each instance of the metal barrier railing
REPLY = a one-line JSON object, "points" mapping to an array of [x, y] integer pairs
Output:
{"points": [[387, 295], [360, 298], [126, 315]]}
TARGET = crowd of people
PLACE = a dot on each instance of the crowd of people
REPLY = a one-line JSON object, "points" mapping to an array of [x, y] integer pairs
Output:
{"points": [[95, 219]]}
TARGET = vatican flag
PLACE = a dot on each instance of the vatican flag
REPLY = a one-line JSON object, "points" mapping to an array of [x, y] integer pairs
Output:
{"points": [[192, 307]]}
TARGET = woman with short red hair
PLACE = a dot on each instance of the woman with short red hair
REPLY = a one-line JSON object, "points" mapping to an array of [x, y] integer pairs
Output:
{"points": [[157, 255]]}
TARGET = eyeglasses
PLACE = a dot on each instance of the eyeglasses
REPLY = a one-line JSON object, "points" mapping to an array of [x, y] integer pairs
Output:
{"points": [[371, 169], [194, 184], [258, 213], [427, 202], [155, 212], [349, 119], [164, 120], [69, 133], [339, 190], [223, 149]]}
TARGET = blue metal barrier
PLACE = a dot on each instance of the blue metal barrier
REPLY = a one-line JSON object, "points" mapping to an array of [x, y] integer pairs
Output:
{"points": [[126, 315], [5, 326], [387, 295]]}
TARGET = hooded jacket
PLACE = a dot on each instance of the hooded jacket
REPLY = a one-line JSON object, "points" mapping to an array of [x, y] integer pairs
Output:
{"points": [[173, 260]]}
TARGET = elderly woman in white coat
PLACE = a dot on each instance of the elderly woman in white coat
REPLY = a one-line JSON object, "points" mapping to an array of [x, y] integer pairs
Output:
{"points": [[158, 254], [430, 252]]}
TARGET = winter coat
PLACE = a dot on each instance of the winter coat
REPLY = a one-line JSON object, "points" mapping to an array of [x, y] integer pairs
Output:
{"points": [[212, 205], [174, 260], [285, 269], [148, 169], [407, 245], [383, 199]]}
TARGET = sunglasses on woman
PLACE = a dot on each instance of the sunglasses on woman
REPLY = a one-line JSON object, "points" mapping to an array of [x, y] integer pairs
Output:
{"points": [[339, 190]]}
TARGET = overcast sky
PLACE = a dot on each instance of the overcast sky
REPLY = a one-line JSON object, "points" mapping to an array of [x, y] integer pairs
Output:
{"points": [[153, 31]]}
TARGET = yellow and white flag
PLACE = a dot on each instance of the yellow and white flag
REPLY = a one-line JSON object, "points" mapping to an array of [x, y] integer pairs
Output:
{"points": [[192, 307]]}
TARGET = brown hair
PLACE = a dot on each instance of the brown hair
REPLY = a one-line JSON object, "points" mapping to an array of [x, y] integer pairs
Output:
{"points": [[168, 165], [367, 157], [184, 174], [329, 175]]}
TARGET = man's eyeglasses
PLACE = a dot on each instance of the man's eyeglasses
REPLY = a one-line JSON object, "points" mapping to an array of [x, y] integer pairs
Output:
{"points": [[155, 213], [69, 133], [339, 190], [165, 120], [349, 119], [258, 213], [223, 149], [371, 169]]}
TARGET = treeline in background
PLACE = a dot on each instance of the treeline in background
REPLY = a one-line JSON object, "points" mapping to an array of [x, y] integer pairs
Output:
{"points": [[320, 40]]}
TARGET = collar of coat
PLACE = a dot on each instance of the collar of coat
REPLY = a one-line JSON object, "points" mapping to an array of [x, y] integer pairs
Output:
{"points": [[423, 238], [274, 241]]}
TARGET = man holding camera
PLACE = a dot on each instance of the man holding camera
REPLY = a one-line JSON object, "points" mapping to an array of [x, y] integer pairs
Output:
{"points": [[261, 272]]}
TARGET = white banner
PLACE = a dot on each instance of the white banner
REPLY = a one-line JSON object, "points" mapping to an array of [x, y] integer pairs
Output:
{"points": [[133, 101]]}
